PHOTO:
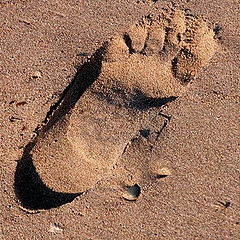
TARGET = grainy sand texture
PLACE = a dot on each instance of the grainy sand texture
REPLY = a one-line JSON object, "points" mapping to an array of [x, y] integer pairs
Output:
{"points": [[119, 119]]}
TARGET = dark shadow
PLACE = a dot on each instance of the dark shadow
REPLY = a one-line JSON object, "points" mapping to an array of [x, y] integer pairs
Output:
{"points": [[225, 204], [144, 133], [141, 102], [218, 32], [84, 78], [134, 191], [137, 100], [29, 188], [217, 29], [128, 42], [160, 176], [32, 192]]}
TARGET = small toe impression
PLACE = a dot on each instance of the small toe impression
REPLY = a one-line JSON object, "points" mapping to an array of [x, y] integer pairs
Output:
{"points": [[185, 66], [155, 40], [175, 32], [137, 35], [133, 192], [178, 23]]}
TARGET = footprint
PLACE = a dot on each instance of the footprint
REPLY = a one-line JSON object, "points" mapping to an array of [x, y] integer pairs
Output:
{"points": [[149, 65]]}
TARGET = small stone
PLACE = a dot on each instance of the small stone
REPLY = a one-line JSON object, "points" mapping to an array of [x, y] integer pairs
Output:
{"points": [[158, 170], [162, 172], [36, 74], [55, 228]]}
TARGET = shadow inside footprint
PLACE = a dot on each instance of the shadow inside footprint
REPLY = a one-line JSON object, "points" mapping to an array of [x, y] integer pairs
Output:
{"points": [[86, 75], [142, 102], [138, 100], [29, 188]]}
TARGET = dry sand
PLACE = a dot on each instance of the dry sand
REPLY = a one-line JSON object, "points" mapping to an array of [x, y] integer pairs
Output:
{"points": [[184, 161]]}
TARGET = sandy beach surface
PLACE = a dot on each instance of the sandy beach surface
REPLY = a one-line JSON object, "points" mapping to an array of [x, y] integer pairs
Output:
{"points": [[43, 45]]}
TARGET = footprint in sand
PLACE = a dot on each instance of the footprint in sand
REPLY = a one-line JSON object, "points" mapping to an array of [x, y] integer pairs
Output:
{"points": [[154, 60]]}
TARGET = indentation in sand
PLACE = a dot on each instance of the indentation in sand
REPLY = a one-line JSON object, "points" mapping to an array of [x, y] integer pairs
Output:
{"points": [[132, 193], [149, 65]]}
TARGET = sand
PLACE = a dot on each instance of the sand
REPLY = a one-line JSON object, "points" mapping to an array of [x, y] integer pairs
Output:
{"points": [[177, 178]]}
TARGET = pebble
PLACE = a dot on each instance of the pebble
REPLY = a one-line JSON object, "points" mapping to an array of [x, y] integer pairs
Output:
{"points": [[36, 74], [163, 172]]}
